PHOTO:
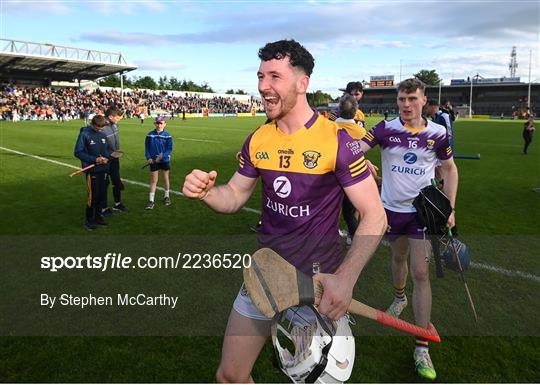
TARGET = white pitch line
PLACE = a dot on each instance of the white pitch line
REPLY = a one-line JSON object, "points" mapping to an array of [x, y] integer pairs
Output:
{"points": [[509, 273], [200, 140], [133, 182]]}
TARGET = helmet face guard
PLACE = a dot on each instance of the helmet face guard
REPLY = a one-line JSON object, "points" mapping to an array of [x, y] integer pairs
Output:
{"points": [[323, 349]]}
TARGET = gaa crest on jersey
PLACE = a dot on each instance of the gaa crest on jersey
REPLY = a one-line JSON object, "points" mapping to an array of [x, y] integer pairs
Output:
{"points": [[311, 158], [430, 144]]}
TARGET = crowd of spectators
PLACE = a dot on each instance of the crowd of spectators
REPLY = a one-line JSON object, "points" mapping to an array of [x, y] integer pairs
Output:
{"points": [[46, 103]]}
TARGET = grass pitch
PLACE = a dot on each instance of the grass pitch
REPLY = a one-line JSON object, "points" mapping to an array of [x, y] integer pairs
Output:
{"points": [[42, 213]]}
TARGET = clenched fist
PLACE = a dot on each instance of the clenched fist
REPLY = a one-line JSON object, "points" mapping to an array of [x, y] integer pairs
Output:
{"points": [[198, 183]]}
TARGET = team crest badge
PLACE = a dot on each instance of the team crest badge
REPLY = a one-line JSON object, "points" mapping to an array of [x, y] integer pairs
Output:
{"points": [[430, 144], [311, 158]]}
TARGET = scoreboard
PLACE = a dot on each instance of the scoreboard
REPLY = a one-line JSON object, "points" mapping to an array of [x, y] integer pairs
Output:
{"points": [[381, 81]]}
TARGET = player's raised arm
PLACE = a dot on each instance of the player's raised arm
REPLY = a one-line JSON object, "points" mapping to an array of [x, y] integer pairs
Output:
{"points": [[228, 198]]}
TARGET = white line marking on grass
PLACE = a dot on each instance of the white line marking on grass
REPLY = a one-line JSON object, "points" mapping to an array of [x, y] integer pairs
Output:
{"points": [[509, 273], [133, 182], [39, 158], [200, 140]]}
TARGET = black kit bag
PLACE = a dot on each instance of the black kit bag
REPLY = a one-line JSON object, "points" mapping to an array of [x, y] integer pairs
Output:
{"points": [[433, 209]]}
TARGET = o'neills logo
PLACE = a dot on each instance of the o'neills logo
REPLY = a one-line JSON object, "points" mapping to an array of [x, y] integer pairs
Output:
{"points": [[286, 210], [311, 158], [286, 152]]}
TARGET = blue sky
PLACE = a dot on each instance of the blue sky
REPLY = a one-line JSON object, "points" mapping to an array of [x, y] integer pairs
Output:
{"points": [[217, 41]]}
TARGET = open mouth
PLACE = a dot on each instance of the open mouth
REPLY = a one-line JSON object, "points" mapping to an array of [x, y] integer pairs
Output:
{"points": [[270, 99]]}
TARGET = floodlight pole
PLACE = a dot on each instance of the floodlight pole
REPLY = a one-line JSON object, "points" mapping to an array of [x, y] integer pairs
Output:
{"points": [[400, 61], [122, 87], [529, 93], [470, 101], [440, 85]]}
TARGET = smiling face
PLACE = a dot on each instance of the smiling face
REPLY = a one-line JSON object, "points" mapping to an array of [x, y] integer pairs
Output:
{"points": [[410, 106], [280, 86]]}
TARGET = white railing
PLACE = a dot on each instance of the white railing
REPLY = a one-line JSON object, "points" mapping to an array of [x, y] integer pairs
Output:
{"points": [[58, 51]]}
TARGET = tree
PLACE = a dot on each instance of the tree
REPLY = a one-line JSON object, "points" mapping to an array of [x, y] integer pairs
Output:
{"points": [[163, 83], [429, 77], [114, 81], [241, 92], [145, 82], [230, 92], [110, 81], [318, 98], [174, 84]]}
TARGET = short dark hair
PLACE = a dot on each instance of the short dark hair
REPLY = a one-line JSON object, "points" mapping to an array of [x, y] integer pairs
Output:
{"points": [[353, 86], [99, 121], [298, 55], [113, 111], [347, 107], [411, 85]]}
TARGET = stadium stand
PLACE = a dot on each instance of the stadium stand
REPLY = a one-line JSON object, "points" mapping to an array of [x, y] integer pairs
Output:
{"points": [[488, 99], [28, 71], [46, 103]]}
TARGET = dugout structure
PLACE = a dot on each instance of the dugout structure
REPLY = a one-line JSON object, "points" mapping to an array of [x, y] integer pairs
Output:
{"points": [[29, 63]]}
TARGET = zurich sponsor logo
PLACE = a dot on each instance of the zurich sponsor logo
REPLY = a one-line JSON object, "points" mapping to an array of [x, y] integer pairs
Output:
{"points": [[410, 158], [395, 139], [282, 186]]}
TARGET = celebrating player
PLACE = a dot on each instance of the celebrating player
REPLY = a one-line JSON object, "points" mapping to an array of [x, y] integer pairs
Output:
{"points": [[410, 149], [305, 162]]}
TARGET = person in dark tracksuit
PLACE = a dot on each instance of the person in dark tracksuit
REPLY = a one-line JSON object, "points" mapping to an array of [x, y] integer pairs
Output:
{"points": [[91, 148], [528, 130], [158, 147], [113, 116]]}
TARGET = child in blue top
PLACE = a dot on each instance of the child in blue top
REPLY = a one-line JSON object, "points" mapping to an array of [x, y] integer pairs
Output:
{"points": [[158, 145]]}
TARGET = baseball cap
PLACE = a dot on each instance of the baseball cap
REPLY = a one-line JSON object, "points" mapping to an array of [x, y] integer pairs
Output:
{"points": [[351, 86], [160, 119]]}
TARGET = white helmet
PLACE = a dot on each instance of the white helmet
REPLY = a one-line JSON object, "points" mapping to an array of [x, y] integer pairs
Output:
{"points": [[323, 349]]}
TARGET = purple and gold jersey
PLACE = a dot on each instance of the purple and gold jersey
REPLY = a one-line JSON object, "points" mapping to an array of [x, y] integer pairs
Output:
{"points": [[409, 157], [303, 176], [359, 116], [355, 130]]}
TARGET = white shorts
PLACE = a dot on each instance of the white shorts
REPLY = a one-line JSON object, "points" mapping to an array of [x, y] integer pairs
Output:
{"points": [[245, 306]]}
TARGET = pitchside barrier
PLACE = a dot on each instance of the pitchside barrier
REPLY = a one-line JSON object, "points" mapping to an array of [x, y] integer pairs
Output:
{"points": [[210, 115]]}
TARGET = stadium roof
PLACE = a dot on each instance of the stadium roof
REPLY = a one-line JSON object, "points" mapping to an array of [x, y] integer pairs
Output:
{"points": [[23, 60]]}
